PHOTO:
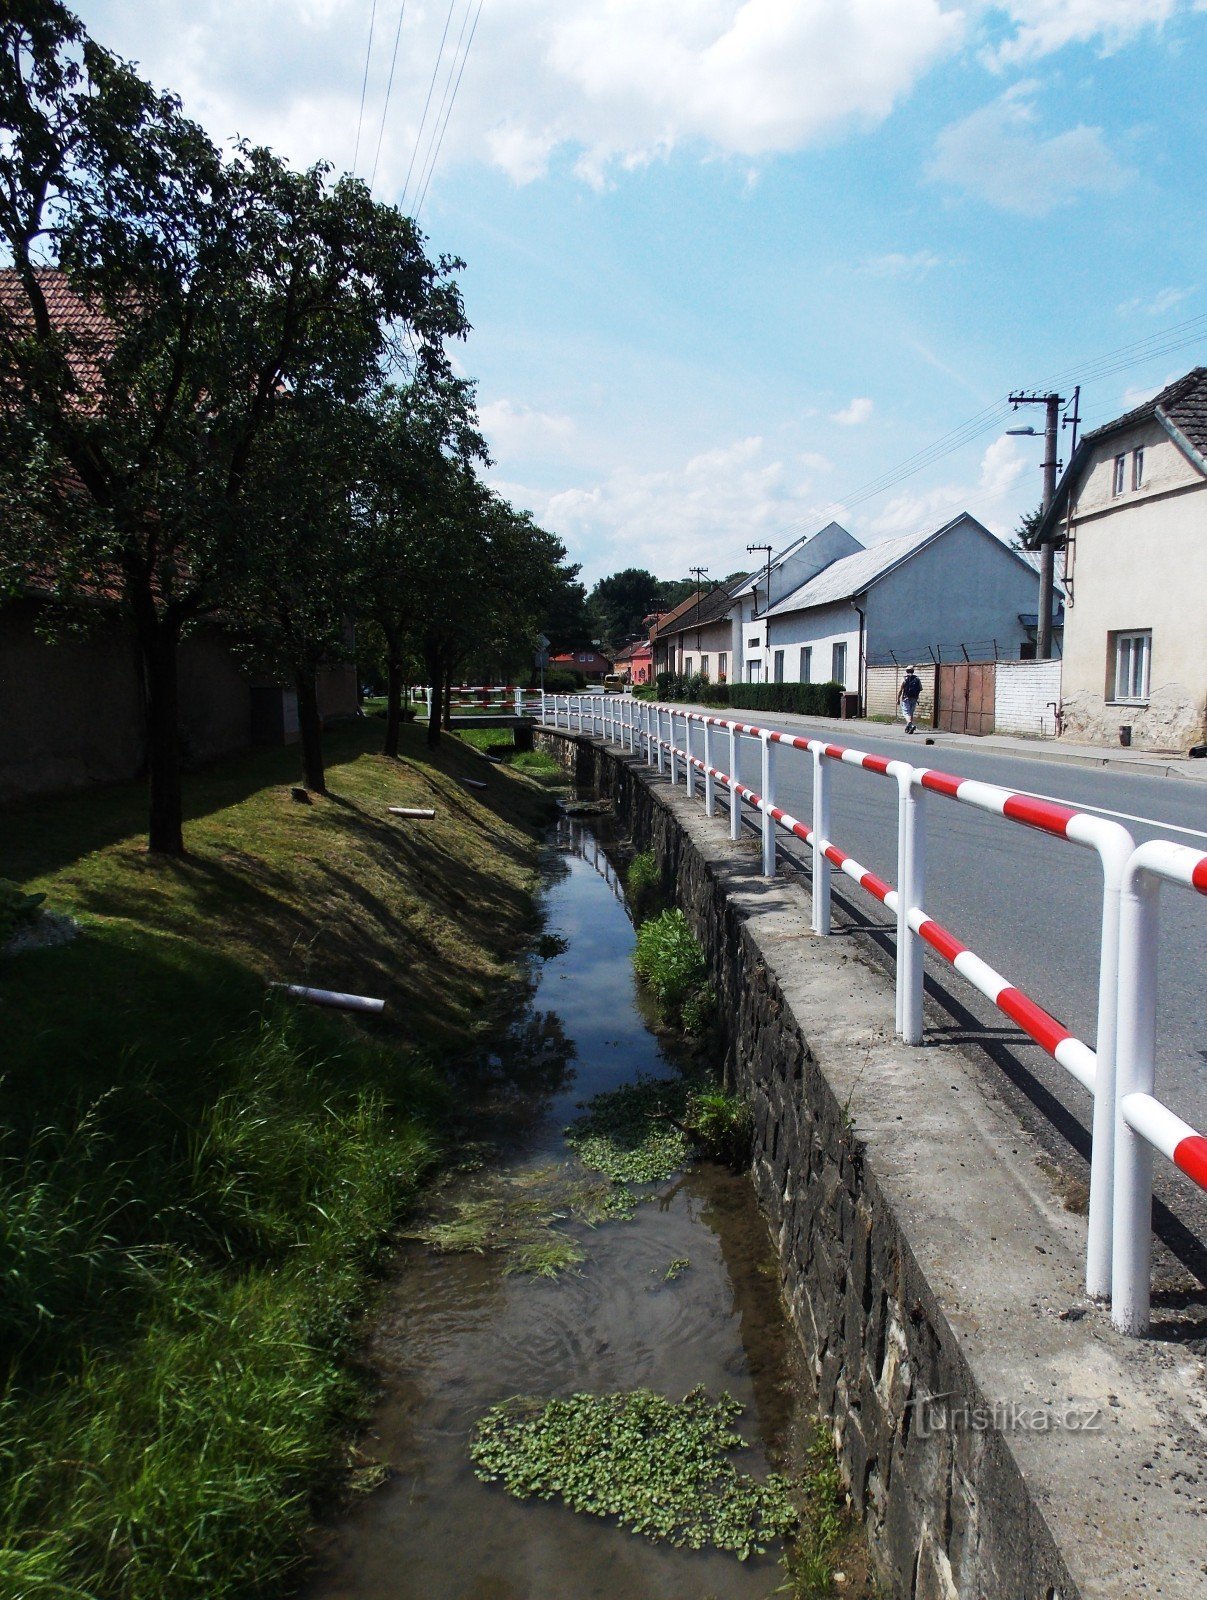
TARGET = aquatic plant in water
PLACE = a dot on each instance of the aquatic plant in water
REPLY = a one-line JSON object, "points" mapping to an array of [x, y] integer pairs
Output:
{"points": [[663, 1468], [635, 1134]]}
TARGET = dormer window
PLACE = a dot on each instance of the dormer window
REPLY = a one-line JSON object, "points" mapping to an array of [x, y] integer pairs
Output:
{"points": [[1137, 468], [1120, 474]]}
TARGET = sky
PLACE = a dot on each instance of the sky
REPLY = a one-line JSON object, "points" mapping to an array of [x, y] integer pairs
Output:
{"points": [[731, 264]]}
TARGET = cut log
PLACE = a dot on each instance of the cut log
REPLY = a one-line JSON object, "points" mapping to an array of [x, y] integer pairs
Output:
{"points": [[411, 811], [472, 783]]}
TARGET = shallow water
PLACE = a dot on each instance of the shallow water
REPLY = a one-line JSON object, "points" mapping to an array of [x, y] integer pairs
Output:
{"points": [[458, 1334]]}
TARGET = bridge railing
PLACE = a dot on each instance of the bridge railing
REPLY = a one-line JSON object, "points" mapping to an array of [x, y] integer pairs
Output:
{"points": [[653, 728]]}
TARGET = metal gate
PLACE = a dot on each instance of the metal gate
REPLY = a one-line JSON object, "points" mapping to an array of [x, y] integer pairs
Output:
{"points": [[964, 700]]}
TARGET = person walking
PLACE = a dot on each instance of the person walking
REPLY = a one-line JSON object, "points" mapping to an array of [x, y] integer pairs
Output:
{"points": [[908, 695]]}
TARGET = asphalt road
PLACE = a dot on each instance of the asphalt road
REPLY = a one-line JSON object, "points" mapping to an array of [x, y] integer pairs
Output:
{"points": [[1030, 905]]}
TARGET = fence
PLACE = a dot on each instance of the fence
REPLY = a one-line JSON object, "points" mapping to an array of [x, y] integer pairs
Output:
{"points": [[1126, 1116]]}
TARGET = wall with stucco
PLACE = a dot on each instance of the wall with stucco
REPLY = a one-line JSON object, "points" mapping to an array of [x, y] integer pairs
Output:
{"points": [[1136, 561]]}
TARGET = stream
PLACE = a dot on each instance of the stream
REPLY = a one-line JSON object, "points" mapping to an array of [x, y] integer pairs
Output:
{"points": [[458, 1333]]}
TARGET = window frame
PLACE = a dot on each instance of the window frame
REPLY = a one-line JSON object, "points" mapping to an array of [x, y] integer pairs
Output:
{"points": [[1119, 477], [838, 653], [723, 666], [1138, 467], [806, 663], [777, 666], [1123, 645]]}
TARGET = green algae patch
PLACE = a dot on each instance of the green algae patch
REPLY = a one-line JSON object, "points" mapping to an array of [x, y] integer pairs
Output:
{"points": [[665, 1469], [637, 1133]]}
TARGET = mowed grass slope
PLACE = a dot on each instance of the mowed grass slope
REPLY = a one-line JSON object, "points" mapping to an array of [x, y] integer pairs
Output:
{"points": [[198, 1179]]}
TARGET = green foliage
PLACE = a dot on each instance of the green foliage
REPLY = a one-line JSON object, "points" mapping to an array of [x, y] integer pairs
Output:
{"points": [[669, 960], [662, 1468], [722, 1126], [17, 909], [699, 1013], [635, 1134], [810, 1554], [803, 699], [564, 680], [676, 1268], [643, 883]]}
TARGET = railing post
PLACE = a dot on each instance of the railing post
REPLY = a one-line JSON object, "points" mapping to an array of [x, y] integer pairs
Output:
{"points": [[710, 788], [687, 745], [670, 717], [735, 799], [1114, 849], [519, 701], [1131, 1254], [659, 741], [821, 836], [768, 788], [911, 877]]}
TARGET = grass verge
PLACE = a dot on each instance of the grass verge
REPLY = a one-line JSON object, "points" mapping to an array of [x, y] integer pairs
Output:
{"points": [[198, 1182]]}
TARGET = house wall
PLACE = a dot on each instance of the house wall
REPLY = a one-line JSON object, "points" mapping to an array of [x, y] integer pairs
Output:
{"points": [[713, 639], [71, 708], [1026, 693], [1138, 561], [821, 627], [882, 685], [966, 588]]}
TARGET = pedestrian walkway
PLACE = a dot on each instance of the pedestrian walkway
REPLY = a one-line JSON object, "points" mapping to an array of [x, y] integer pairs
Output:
{"points": [[864, 732]]}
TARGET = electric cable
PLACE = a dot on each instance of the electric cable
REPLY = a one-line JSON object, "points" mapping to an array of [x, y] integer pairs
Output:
{"points": [[428, 101], [389, 88], [363, 87], [456, 86]]}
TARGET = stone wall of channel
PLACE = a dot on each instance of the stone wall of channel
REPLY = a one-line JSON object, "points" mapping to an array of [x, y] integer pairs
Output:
{"points": [[947, 1511]]}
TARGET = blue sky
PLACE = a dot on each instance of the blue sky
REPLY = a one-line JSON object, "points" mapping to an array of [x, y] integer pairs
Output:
{"points": [[731, 261]]}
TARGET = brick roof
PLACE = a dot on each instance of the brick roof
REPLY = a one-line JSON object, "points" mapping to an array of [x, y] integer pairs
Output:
{"points": [[712, 607], [89, 331], [1183, 402]]}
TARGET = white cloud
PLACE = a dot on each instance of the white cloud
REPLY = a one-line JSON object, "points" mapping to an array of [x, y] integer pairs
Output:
{"points": [[999, 154], [515, 430], [706, 509], [1157, 306], [616, 84], [897, 265], [859, 410], [1000, 493], [1044, 26]]}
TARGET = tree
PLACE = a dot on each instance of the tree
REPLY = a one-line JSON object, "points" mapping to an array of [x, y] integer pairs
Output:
{"points": [[163, 305], [617, 604], [1030, 520], [566, 623]]}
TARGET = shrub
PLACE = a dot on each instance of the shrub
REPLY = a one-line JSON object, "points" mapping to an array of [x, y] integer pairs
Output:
{"points": [[805, 699], [722, 1126], [669, 960], [562, 680]]}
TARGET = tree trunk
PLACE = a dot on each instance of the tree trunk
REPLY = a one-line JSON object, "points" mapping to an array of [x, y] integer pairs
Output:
{"points": [[158, 642], [437, 710], [393, 703], [310, 726]]}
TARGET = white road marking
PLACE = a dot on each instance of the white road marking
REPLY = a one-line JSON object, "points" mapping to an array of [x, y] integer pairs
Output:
{"points": [[1120, 816]]}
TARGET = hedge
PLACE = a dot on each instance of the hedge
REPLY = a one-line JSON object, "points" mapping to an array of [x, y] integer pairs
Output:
{"points": [[807, 699]]}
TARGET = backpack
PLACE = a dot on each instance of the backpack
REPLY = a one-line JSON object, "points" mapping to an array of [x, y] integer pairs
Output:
{"points": [[911, 689]]}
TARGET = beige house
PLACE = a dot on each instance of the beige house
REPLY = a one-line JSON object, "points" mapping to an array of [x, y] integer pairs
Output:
{"points": [[1131, 516]]}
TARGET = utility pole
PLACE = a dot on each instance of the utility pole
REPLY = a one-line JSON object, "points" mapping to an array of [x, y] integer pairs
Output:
{"points": [[1052, 404], [699, 574], [766, 549]]}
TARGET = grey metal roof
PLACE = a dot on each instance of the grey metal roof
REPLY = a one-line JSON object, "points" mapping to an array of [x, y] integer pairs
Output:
{"points": [[851, 575], [747, 584]]}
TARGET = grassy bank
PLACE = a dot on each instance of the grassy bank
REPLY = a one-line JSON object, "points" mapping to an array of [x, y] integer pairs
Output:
{"points": [[197, 1182]]}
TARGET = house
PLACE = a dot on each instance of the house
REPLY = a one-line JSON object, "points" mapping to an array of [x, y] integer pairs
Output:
{"points": [[697, 636], [955, 592], [635, 663], [1131, 515], [588, 664]]}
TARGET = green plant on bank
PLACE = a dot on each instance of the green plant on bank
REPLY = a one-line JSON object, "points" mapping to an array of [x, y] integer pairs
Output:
{"points": [[196, 1190], [17, 909], [643, 884], [825, 1523], [672, 965], [722, 1126], [534, 764], [663, 1468]]}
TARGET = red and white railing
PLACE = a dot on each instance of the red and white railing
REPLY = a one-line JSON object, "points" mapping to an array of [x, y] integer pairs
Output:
{"points": [[1142, 1123], [1114, 1221]]}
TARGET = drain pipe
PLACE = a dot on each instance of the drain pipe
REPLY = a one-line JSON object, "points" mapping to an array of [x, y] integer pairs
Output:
{"points": [[859, 662]]}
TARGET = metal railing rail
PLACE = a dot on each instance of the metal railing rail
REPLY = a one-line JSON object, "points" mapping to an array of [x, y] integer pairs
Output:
{"points": [[1142, 1123], [1094, 1068]]}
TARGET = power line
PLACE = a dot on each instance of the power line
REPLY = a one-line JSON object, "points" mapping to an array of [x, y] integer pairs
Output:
{"points": [[428, 101], [465, 57], [389, 87], [363, 87]]}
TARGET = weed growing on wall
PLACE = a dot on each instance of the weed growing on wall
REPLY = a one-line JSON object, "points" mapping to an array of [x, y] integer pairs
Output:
{"points": [[643, 885], [672, 965], [663, 1468], [722, 1126]]}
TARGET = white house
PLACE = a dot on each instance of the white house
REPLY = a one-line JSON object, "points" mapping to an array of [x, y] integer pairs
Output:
{"points": [[1131, 513], [946, 594]]}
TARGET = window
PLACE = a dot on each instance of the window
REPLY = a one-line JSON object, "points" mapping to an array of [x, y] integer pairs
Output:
{"points": [[778, 665], [1120, 474], [1137, 468], [753, 643], [723, 666], [687, 666], [754, 672], [704, 666], [1132, 660], [806, 664], [838, 665]]}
